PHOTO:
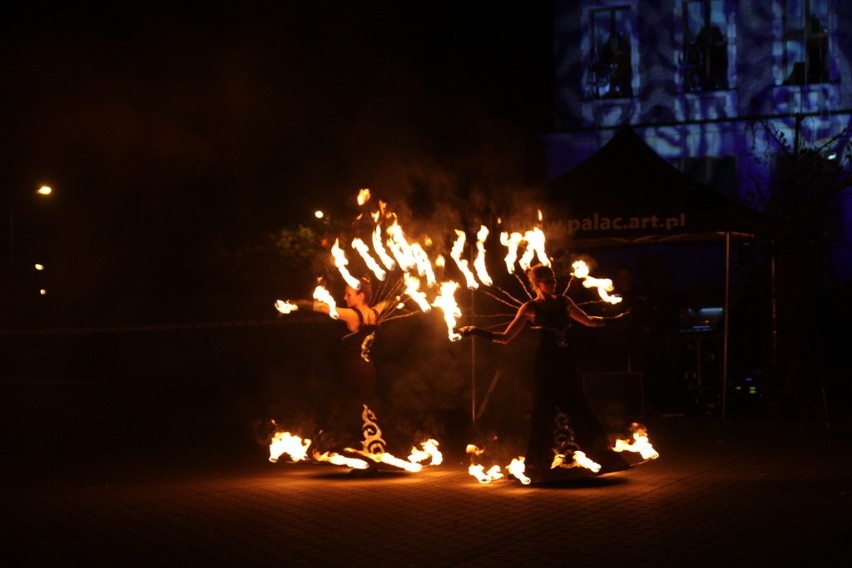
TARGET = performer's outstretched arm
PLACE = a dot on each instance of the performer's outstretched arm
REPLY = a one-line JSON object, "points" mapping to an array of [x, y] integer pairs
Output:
{"points": [[577, 314], [522, 316]]}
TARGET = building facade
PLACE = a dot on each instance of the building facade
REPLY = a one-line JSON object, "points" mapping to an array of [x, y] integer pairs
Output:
{"points": [[711, 85]]}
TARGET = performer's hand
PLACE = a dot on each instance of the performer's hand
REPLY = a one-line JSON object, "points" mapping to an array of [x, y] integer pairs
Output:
{"points": [[468, 330]]}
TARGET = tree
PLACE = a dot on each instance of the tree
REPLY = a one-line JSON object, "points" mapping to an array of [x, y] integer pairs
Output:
{"points": [[802, 224]]}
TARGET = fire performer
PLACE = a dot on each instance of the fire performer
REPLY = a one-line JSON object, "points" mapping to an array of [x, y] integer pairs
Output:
{"points": [[563, 427], [359, 380]]}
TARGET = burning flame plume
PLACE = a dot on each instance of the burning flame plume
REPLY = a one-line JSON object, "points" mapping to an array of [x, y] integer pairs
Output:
{"points": [[479, 261], [455, 254], [446, 301], [603, 285], [323, 295], [428, 451], [516, 468], [287, 443], [578, 459], [337, 459], [421, 261], [638, 443], [285, 307], [340, 262], [511, 242], [379, 247], [371, 263], [399, 247], [535, 249], [412, 290]]}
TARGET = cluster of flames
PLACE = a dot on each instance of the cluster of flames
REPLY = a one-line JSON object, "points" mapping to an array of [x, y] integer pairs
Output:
{"points": [[371, 453], [390, 249], [637, 442]]}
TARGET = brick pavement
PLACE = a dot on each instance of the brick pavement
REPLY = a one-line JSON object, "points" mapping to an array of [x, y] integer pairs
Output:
{"points": [[734, 492]]}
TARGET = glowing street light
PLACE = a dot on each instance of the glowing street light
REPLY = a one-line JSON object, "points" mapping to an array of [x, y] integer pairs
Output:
{"points": [[43, 192]]}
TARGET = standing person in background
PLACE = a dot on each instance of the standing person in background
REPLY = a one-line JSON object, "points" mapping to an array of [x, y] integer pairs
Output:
{"points": [[634, 341], [668, 314], [561, 420]]}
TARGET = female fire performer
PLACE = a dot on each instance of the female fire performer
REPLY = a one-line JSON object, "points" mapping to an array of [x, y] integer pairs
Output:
{"points": [[562, 422], [359, 384]]}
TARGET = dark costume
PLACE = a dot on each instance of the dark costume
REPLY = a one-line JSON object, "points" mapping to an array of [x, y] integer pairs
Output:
{"points": [[357, 372], [561, 420], [347, 425]]}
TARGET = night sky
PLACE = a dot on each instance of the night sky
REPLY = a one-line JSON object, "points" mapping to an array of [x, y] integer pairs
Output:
{"points": [[169, 131]]}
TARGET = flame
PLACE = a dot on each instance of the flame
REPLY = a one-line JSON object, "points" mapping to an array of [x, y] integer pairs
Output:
{"points": [[512, 242], [516, 468], [603, 285], [421, 261], [363, 196], [578, 459], [388, 459], [446, 302], [337, 459], [323, 295], [478, 471], [386, 258], [285, 307], [287, 443], [371, 263], [639, 443], [412, 290], [428, 450], [340, 262], [455, 254], [399, 247], [479, 261], [535, 249]]}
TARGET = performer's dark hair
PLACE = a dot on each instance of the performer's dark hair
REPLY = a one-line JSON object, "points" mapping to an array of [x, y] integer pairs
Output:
{"points": [[540, 272]]}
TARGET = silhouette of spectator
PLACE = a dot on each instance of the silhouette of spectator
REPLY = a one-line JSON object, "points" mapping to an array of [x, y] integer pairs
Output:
{"points": [[668, 313], [635, 302]]}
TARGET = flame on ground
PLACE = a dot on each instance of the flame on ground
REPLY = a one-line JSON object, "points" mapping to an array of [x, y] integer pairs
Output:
{"points": [[285, 307], [287, 443], [578, 459], [516, 468], [637, 443]]}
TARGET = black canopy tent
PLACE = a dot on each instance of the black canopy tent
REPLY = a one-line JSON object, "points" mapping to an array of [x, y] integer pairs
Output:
{"points": [[626, 195]]}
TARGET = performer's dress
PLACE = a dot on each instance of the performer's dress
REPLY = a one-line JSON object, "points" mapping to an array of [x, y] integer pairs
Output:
{"points": [[345, 425], [561, 420]]}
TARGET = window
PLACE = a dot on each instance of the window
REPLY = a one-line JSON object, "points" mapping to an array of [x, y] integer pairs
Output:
{"points": [[705, 46], [805, 41], [610, 71]]}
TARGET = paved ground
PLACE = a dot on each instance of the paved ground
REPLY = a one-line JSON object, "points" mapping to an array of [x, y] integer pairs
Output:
{"points": [[736, 492]]}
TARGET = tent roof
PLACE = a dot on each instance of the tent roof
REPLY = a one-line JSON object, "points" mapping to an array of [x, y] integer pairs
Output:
{"points": [[626, 193]]}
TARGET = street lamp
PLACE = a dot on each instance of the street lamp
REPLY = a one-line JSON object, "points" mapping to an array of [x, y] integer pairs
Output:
{"points": [[43, 192]]}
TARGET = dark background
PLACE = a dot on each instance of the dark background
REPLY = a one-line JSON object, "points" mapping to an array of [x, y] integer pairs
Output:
{"points": [[180, 139]]}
